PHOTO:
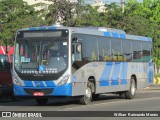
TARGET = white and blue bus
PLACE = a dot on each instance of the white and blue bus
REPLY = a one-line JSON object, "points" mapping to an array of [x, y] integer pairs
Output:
{"points": [[57, 61]]}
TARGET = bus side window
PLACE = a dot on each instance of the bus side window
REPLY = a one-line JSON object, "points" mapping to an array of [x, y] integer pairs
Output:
{"points": [[104, 49], [116, 50]]}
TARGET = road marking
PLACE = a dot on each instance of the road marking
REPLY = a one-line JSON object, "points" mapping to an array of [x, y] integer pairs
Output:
{"points": [[115, 102]]}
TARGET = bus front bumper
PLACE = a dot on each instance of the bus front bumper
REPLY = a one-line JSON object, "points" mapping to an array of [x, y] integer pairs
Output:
{"points": [[64, 90]]}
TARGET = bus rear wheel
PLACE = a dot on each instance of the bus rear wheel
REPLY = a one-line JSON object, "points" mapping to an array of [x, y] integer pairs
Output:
{"points": [[41, 101], [131, 92], [87, 98]]}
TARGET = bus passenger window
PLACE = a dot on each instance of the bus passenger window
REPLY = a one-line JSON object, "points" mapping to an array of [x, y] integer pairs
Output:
{"points": [[116, 50], [146, 51], [137, 51], [127, 51], [104, 49]]}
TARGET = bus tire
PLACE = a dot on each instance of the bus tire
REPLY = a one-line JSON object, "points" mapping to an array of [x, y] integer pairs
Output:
{"points": [[87, 98], [41, 101], [131, 92]]}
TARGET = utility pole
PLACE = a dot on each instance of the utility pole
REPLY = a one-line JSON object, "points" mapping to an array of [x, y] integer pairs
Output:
{"points": [[122, 5]]}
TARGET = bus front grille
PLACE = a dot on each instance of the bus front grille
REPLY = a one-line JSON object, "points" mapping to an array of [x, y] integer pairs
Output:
{"points": [[46, 91]]}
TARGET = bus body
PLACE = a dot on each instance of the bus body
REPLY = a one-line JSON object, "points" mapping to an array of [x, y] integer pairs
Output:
{"points": [[84, 62], [5, 71]]}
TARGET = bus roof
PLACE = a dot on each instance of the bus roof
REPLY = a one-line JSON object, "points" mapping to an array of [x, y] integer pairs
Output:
{"points": [[100, 31]]}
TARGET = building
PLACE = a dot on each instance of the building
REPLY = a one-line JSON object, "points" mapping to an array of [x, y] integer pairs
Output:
{"points": [[100, 4]]}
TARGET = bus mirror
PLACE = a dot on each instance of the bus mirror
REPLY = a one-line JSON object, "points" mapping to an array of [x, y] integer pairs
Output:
{"points": [[79, 48]]}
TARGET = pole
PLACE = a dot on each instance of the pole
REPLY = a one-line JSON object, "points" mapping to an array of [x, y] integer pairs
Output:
{"points": [[122, 5]]}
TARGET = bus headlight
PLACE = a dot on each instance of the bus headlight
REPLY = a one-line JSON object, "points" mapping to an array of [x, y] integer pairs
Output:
{"points": [[63, 81], [15, 81]]}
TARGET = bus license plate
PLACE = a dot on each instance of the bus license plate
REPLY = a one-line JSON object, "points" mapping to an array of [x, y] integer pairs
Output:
{"points": [[38, 93]]}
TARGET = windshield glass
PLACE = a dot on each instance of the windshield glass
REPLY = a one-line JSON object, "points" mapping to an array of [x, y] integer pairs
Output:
{"points": [[41, 54]]}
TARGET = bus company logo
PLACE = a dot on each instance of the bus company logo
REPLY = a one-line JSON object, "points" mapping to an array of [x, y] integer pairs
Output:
{"points": [[6, 114]]}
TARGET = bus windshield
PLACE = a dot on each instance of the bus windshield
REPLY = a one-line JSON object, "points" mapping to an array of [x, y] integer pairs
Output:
{"points": [[41, 54]]}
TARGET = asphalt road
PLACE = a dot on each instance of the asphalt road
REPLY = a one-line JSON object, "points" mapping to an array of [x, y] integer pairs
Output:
{"points": [[145, 100]]}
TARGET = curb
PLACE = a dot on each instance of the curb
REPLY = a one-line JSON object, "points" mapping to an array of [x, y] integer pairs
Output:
{"points": [[153, 87]]}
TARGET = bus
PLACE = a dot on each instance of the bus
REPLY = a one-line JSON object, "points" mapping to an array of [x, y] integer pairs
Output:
{"points": [[59, 61], [5, 71]]}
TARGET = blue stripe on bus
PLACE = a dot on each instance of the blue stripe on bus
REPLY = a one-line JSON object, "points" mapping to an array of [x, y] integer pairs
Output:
{"points": [[104, 80], [123, 36], [114, 82], [124, 73], [115, 74], [39, 84], [33, 28], [49, 83], [115, 35], [107, 34], [64, 90], [51, 28], [28, 83], [43, 28]]}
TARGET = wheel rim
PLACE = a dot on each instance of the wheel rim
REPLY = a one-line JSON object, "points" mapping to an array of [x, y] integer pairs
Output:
{"points": [[133, 88], [88, 94]]}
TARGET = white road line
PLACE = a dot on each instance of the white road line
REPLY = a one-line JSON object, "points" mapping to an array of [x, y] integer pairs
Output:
{"points": [[115, 102]]}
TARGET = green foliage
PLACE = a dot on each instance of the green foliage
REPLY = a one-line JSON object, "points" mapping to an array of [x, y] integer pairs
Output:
{"points": [[149, 14], [15, 14], [64, 12]]}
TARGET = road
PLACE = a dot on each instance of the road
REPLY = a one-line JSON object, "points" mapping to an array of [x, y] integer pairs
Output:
{"points": [[145, 100]]}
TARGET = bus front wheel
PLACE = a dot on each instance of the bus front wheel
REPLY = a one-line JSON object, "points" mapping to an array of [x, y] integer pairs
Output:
{"points": [[131, 92], [87, 98], [41, 101]]}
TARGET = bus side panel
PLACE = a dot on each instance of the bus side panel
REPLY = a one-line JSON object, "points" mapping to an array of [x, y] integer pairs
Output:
{"points": [[142, 73], [109, 77], [115, 73], [81, 76]]}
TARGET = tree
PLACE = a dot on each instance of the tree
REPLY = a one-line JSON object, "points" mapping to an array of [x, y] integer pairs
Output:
{"points": [[91, 17], [15, 14], [64, 12], [149, 13]]}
